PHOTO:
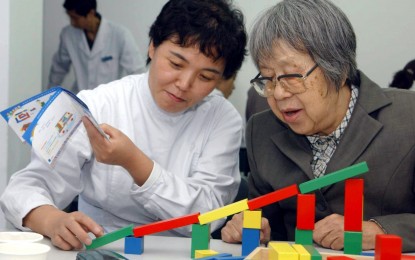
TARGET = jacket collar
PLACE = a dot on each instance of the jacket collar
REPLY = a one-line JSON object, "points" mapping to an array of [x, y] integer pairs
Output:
{"points": [[100, 39]]}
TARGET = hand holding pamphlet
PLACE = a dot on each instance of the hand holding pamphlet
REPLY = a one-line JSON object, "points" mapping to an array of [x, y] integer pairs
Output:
{"points": [[47, 120]]}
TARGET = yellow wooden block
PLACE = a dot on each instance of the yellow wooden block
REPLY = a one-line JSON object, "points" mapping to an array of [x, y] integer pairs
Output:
{"points": [[223, 212], [302, 252], [282, 251], [259, 253], [204, 253], [252, 219]]}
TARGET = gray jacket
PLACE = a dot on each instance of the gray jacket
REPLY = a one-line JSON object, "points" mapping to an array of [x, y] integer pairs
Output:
{"points": [[381, 132]]}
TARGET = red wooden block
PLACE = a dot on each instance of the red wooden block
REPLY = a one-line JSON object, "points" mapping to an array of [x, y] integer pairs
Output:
{"points": [[353, 205], [388, 247], [339, 257], [273, 197], [167, 224], [408, 257], [306, 211]]}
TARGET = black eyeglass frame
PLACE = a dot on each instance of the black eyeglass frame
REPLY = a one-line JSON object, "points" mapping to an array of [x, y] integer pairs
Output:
{"points": [[258, 77]]}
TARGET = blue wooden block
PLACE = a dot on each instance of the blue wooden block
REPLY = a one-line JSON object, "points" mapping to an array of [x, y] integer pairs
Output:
{"points": [[214, 257], [230, 258], [250, 240], [134, 245]]}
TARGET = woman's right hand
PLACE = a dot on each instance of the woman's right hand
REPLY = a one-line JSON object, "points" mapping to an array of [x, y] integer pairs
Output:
{"points": [[66, 230]]}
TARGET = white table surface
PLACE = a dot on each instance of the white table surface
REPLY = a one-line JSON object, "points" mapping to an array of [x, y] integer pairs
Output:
{"points": [[155, 247]]}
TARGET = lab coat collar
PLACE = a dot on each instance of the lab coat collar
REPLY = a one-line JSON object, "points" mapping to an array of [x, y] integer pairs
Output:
{"points": [[99, 43]]}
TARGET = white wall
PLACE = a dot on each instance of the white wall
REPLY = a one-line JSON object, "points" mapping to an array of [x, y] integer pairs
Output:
{"points": [[385, 35], [4, 85], [137, 16], [25, 67], [383, 27]]}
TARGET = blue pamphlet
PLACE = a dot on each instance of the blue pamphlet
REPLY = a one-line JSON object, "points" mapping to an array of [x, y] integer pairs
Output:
{"points": [[47, 120]]}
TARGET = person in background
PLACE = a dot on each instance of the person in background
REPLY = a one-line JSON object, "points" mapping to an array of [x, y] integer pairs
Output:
{"points": [[404, 79], [326, 115], [254, 104], [175, 147], [99, 50], [226, 86]]}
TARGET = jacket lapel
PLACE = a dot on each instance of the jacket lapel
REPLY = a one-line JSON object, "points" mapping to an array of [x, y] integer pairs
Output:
{"points": [[83, 44], [100, 40], [296, 148], [363, 126]]}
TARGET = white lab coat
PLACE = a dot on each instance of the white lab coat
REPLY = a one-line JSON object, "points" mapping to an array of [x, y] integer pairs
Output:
{"points": [[195, 153], [113, 55]]}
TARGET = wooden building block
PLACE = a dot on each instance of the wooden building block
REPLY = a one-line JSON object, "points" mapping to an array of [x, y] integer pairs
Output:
{"points": [[388, 247], [333, 177], [223, 212], [325, 255], [200, 238], [353, 205], [303, 237], [306, 211], [273, 197], [111, 237], [303, 254], [315, 255], [252, 219], [282, 251], [339, 257], [216, 257], [260, 253], [204, 253], [164, 225], [231, 258], [133, 245], [353, 242], [250, 240]]}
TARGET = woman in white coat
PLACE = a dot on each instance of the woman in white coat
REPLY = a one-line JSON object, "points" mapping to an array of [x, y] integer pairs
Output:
{"points": [[175, 151]]}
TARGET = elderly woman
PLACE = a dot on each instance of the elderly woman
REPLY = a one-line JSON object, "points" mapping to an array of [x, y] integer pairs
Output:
{"points": [[326, 115]]}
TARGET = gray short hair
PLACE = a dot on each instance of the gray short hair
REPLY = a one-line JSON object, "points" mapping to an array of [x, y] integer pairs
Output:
{"points": [[316, 27]]}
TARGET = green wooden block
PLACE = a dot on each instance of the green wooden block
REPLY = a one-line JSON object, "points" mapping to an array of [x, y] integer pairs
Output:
{"points": [[353, 243], [200, 238], [303, 237], [315, 255], [333, 177], [111, 237]]}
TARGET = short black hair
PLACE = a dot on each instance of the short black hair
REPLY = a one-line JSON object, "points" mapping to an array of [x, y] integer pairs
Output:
{"points": [[213, 25], [81, 7]]}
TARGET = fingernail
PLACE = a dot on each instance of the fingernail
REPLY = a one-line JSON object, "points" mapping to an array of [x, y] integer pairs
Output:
{"points": [[88, 241]]}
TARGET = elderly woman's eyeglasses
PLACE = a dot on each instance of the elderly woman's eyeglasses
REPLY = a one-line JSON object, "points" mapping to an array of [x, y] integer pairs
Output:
{"points": [[293, 83]]}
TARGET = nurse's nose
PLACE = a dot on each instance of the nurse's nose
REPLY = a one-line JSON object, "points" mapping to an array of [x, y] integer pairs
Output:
{"points": [[184, 81]]}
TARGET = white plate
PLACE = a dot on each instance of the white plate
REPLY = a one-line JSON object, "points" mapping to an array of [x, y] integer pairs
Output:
{"points": [[23, 251], [20, 237]]}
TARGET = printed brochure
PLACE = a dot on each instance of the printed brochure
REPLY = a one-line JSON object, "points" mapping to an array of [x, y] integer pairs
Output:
{"points": [[47, 120]]}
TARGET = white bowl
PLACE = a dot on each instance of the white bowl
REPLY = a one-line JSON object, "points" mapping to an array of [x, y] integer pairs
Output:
{"points": [[20, 237], [23, 251]]}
